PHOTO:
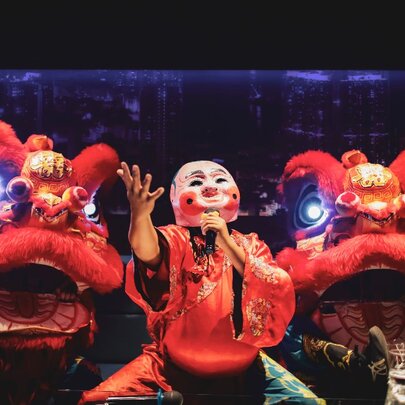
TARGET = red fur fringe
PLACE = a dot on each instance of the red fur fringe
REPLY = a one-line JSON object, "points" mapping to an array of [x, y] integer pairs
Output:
{"points": [[96, 165], [398, 167], [11, 149], [33, 343], [343, 261], [102, 270], [328, 172]]}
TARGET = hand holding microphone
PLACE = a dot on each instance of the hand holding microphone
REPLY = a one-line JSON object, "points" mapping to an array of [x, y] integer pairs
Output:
{"points": [[210, 227]]}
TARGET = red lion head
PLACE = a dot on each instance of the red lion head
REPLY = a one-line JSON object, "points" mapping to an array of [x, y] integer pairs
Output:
{"points": [[53, 249], [347, 219]]}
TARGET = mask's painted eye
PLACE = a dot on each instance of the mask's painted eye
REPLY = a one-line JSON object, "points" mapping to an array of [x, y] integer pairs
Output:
{"points": [[196, 183], [309, 210], [221, 180], [92, 211]]}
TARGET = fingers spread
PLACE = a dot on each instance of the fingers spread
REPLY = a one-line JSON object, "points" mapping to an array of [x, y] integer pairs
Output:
{"points": [[157, 193], [125, 175], [146, 183], [139, 189], [136, 174]]}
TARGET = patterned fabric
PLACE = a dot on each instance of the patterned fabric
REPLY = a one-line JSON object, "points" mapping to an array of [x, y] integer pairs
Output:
{"points": [[197, 311], [281, 385], [322, 351], [196, 348], [265, 381]]}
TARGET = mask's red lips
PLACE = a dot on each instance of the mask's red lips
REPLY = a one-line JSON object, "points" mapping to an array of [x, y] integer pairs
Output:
{"points": [[209, 194]]}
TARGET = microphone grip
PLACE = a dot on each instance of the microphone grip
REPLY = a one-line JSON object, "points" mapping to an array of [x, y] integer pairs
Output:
{"points": [[210, 242]]}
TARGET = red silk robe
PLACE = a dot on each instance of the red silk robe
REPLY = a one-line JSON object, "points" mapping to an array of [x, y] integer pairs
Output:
{"points": [[188, 303]]}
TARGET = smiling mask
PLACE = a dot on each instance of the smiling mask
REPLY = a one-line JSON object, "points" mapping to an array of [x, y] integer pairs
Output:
{"points": [[200, 185]]}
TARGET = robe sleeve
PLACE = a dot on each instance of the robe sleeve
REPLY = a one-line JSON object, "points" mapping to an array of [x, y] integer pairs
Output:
{"points": [[151, 288], [268, 299]]}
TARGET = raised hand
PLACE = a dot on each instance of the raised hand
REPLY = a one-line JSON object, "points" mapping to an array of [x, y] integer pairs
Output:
{"points": [[141, 200]]}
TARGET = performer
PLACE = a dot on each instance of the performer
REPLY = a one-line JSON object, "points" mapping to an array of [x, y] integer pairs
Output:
{"points": [[347, 269], [334, 368], [200, 344]]}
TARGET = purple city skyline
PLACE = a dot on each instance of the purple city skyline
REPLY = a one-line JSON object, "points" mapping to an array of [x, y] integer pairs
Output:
{"points": [[252, 121]]}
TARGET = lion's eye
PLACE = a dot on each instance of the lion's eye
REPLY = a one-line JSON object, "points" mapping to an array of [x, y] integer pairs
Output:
{"points": [[309, 210], [92, 211]]}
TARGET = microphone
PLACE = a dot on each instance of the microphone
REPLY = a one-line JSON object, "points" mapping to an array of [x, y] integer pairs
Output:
{"points": [[210, 235], [168, 397]]}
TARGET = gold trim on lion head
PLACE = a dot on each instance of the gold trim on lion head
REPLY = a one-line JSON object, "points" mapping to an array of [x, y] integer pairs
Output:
{"points": [[372, 182], [49, 171]]}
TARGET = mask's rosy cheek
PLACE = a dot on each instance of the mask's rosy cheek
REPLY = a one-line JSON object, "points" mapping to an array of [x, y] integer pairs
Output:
{"points": [[189, 205], [234, 197]]}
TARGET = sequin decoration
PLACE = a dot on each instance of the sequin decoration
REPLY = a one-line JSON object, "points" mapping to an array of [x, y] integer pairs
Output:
{"points": [[205, 290], [263, 270], [227, 264], [173, 281], [257, 311], [178, 314], [242, 240], [244, 287]]}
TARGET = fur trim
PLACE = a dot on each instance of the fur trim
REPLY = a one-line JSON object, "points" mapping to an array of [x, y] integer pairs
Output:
{"points": [[95, 166], [290, 259], [102, 270], [398, 168], [12, 152], [327, 171], [33, 342], [10, 144], [344, 260]]}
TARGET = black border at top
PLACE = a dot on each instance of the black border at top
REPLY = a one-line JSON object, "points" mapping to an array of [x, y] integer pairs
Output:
{"points": [[170, 36]]}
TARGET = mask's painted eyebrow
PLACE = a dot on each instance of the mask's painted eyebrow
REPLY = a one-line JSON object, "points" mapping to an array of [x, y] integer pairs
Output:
{"points": [[218, 170], [200, 172]]}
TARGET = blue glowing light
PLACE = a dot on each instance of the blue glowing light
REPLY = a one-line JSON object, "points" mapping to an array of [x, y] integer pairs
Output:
{"points": [[314, 212], [310, 210]]}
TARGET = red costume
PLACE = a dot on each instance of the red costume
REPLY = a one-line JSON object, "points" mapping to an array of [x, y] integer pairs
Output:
{"points": [[51, 253], [195, 330], [190, 302], [348, 267]]}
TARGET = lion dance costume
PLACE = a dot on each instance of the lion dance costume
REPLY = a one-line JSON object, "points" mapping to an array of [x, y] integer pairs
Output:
{"points": [[348, 267], [51, 253]]}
